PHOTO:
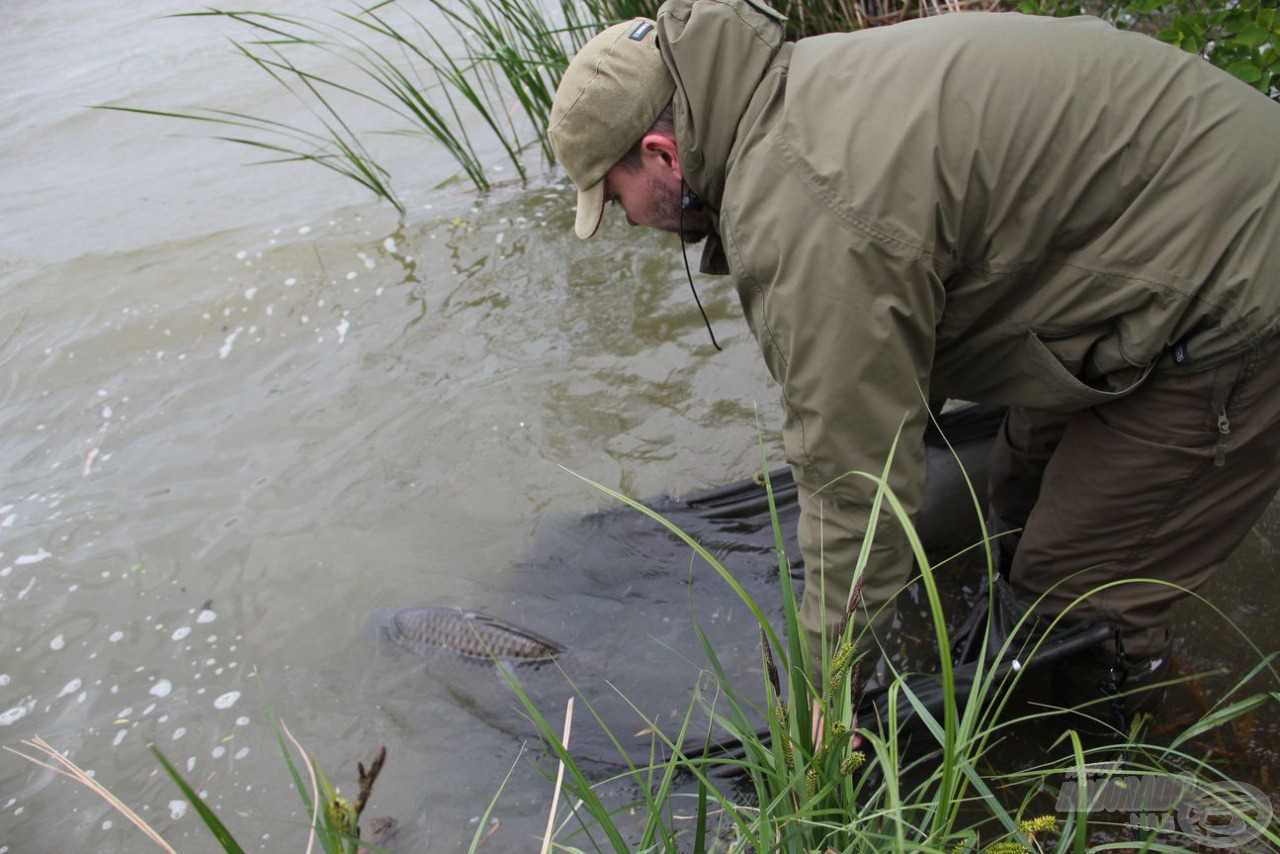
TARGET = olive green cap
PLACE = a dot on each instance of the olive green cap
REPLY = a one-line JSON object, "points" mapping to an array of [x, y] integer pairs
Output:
{"points": [[611, 93]]}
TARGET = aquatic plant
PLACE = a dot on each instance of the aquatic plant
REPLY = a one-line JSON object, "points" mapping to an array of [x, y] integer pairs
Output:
{"points": [[490, 72], [814, 778], [385, 56]]}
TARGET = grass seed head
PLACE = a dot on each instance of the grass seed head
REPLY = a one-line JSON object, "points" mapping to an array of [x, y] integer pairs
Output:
{"points": [[1006, 848], [1039, 824], [811, 780], [853, 762]]}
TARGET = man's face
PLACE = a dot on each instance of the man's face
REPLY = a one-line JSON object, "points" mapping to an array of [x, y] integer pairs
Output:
{"points": [[649, 195]]}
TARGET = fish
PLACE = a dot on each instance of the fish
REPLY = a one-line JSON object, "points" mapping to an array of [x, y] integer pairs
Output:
{"points": [[470, 634]]}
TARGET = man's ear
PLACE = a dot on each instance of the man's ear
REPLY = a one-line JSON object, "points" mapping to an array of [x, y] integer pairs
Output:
{"points": [[663, 149]]}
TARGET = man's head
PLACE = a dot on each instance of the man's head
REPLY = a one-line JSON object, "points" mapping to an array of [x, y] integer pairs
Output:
{"points": [[609, 130]]}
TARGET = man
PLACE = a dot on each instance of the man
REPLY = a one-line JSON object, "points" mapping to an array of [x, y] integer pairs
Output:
{"points": [[1080, 223]]}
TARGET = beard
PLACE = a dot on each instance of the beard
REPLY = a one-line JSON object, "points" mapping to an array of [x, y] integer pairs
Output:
{"points": [[664, 213]]}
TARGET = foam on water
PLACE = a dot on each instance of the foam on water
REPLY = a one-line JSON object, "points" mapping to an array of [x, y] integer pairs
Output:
{"points": [[227, 700], [229, 342]]}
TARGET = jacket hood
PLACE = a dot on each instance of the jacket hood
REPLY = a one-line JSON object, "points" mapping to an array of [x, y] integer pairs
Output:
{"points": [[700, 40]]}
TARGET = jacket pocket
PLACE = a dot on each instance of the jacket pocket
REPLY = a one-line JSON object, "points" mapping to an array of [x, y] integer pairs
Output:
{"points": [[1047, 359]]}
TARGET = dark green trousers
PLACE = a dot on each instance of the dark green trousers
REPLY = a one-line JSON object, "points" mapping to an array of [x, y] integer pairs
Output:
{"points": [[1118, 502]]}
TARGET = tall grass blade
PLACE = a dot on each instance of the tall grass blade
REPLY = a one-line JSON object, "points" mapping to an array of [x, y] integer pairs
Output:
{"points": [[482, 825], [1222, 716], [555, 797], [211, 821]]}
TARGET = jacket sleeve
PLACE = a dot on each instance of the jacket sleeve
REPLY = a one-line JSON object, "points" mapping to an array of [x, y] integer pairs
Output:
{"points": [[845, 318]]}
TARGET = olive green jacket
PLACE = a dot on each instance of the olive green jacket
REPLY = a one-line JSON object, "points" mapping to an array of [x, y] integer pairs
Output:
{"points": [[997, 208]]}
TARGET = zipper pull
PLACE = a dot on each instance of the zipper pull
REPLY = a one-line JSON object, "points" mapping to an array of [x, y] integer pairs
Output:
{"points": [[1224, 428]]}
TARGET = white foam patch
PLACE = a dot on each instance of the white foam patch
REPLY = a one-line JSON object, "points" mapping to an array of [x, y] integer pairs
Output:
{"points": [[342, 328], [71, 687], [180, 633], [17, 713], [177, 809], [163, 688], [225, 349], [57, 643], [207, 616], [26, 560], [227, 700]]}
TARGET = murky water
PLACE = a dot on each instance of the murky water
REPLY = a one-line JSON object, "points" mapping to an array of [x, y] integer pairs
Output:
{"points": [[246, 408]]}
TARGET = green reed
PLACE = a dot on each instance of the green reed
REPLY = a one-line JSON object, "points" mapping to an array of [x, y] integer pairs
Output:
{"points": [[500, 81], [487, 80], [828, 794]]}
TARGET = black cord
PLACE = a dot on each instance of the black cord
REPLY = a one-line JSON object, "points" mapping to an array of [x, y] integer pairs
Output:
{"points": [[684, 252]]}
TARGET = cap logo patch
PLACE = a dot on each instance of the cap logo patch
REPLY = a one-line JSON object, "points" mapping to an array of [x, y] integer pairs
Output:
{"points": [[640, 30]]}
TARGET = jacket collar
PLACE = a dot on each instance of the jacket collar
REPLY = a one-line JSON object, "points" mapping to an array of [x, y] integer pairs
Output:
{"points": [[718, 51]]}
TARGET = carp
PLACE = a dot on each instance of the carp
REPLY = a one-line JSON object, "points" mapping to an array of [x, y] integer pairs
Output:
{"points": [[470, 634]]}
